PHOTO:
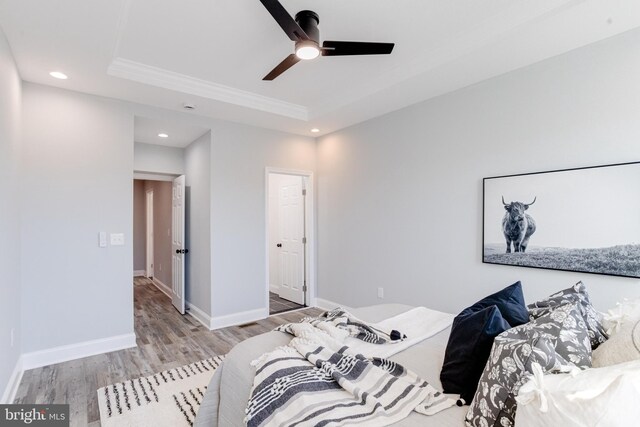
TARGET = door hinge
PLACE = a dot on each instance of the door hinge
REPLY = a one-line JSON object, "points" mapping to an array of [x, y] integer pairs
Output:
{"points": [[304, 240], [304, 287], [304, 191]]}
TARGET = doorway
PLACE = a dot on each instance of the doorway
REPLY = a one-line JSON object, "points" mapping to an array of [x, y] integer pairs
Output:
{"points": [[154, 234], [289, 209]]}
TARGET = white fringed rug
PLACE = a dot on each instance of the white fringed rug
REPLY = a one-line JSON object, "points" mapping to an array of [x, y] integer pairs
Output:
{"points": [[168, 398]]}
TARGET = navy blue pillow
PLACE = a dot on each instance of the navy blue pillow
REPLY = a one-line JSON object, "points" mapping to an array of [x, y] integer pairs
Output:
{"points": [[469, 348], [510, 302]]}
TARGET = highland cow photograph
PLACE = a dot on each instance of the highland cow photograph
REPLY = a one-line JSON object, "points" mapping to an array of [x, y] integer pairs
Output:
{"points": [[583, 220]]}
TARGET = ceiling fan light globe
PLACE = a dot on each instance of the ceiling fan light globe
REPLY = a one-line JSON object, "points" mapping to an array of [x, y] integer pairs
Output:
{"points": [[307, 52]]}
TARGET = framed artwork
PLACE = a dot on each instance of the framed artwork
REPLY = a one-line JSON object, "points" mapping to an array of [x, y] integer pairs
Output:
{"points": [[584, 220]]}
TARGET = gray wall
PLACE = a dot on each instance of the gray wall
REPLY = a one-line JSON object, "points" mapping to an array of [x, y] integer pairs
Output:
{"points": [[400, 196], [10, 147], [139, 226], [239, 156], [158, 159], [77, 180], [198, 223]]}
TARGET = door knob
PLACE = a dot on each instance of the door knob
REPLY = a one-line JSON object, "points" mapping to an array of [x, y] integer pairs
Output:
{"points": [[182, 251], [279, 245], [177, 251]]}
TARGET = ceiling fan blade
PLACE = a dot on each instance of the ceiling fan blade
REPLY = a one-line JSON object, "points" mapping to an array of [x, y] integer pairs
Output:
{"points": [[338, 48], [288, 62], [282, 17]]}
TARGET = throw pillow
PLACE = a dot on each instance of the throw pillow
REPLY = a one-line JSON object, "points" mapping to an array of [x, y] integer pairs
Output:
{"points": [[623, 346], [604, 397], [468, 349], [510, 302], [613, 319], [577, 293], [551, 341]]}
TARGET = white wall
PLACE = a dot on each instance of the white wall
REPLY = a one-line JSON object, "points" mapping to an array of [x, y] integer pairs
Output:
{"points": [[77, 180], [198, 223], [239, 156], [400, 196], [158, 159], [10, 147]]}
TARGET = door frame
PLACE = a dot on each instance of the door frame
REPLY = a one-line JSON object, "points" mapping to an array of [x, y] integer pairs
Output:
{"points": [[310, 232], [149, 261]]}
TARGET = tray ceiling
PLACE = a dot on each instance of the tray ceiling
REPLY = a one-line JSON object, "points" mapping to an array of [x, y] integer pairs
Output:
{"points": [[214, 53]]}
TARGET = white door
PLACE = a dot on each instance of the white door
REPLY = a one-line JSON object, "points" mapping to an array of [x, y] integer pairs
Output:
{"points": [[178, 251], [290, 238], [149, 233]]}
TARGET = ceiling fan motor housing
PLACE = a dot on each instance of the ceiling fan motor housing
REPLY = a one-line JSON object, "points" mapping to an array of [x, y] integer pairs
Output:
{"points": [[308, 21]]}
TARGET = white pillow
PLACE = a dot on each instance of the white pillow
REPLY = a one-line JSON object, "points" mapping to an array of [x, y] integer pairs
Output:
{"points": [[623, 346], [613, 319], [602, 397]]}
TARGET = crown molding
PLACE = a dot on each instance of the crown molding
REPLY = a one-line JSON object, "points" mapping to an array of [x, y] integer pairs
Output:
{"points": [[154, 76]]}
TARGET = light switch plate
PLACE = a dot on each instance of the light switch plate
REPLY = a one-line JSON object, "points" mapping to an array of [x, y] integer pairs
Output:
{"points": [[117, 239], [102, 239]]}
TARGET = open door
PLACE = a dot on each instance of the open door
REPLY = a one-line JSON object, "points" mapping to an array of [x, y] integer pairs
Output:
{"points": [[177, 243]]}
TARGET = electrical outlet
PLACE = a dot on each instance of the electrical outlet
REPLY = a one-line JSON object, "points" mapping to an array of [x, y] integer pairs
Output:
{"points": [[117, 239], [12, 336], [380, 293]]}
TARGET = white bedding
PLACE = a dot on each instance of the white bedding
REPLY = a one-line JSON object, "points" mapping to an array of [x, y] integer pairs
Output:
{"points": [[228, 393], [417, 324]]}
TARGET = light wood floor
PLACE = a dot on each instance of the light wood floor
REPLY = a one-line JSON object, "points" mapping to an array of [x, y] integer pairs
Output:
{"points": [[165, 340]]}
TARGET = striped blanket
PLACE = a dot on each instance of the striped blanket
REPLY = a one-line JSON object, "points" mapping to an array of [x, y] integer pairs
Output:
{"points": [[316, 381], [341, 324]]}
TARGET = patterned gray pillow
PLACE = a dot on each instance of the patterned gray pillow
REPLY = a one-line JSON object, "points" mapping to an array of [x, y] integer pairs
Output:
{"points": [[557, 339], [576, 293]]}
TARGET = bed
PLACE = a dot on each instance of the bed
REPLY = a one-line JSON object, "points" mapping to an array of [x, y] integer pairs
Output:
{"points": [[226, 398]]}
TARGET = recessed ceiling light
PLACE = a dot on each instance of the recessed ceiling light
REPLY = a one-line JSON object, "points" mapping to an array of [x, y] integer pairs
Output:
{"points": [[163, 135], [58, 75], [315, 130]]}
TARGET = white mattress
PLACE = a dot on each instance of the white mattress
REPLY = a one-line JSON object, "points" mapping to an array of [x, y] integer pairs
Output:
{"points": [[228, 393]]}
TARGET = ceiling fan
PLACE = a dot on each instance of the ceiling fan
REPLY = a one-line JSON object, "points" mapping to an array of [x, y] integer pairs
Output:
{"points": [[303, 30]]}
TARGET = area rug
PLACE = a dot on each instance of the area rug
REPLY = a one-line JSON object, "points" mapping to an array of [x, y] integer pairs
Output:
{"points": [[168, 398]]}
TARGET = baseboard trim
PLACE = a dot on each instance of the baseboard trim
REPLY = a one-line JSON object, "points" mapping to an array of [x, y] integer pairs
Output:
{"points": [[234, 319], [65, 353], [163, 288], [328, 305], [198, 314], [11, 390], [139, 273], [274, 288]]}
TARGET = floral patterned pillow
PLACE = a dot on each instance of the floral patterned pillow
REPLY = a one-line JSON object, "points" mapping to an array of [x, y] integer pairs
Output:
{"points": [[576, 293], [555, 340]]}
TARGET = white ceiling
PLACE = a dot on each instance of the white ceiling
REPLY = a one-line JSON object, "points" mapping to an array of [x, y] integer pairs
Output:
{"points": [[214, 53], [181, 134]]}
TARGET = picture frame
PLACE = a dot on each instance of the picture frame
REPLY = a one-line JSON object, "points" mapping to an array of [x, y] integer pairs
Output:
{"points": [[583, 220]]}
